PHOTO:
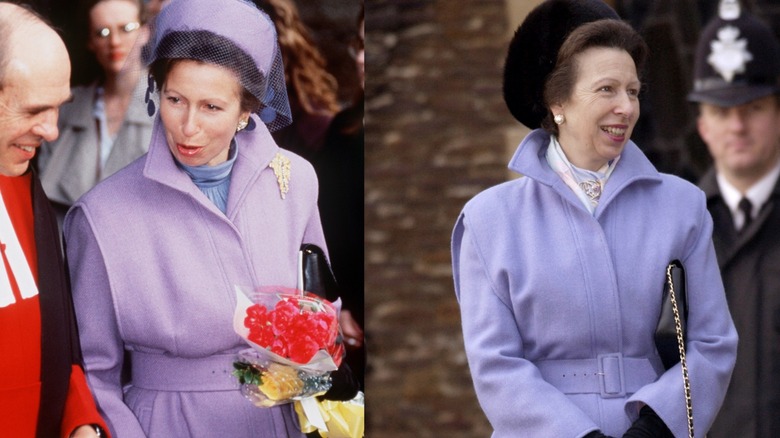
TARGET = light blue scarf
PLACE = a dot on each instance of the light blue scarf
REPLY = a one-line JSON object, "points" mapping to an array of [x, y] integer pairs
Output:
{"points": [[214, 181]]}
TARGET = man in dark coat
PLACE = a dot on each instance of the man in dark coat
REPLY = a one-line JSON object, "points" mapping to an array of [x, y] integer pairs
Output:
{"points": [[43, 391], [735, 83]]}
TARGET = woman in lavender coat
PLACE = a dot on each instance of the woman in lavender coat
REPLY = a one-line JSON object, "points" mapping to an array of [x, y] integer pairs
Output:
{"points": [[156, 249], [559, 274]]}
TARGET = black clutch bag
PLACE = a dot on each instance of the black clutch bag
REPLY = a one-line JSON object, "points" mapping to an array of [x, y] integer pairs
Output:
{"points": [[666, 332], [317, 277]]}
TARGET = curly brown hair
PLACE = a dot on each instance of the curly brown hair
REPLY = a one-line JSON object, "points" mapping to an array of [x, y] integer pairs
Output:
{"points": [[307, 79]]}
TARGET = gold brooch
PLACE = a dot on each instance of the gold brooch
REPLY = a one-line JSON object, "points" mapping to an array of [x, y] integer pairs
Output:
{"points": [[281, 166]]}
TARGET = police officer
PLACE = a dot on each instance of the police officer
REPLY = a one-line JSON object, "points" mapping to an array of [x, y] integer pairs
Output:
{"points": [[736, 74]]}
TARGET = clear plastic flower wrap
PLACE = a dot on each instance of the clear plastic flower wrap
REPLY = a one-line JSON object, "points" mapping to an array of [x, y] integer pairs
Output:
{"points": [[294, 339]]}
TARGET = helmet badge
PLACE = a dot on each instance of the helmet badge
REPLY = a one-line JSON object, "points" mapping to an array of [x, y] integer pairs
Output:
{"points": [[729, 53]]}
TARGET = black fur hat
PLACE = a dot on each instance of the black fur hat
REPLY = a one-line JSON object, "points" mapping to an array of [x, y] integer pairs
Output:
{"points": [[534, 50]]}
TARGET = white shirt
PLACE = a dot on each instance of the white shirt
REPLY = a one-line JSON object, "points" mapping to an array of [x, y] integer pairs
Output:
{"points": [[757, 194]]}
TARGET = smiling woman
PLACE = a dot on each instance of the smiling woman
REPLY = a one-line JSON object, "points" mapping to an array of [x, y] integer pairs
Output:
{"points": [[602, 109], [559, 274]]}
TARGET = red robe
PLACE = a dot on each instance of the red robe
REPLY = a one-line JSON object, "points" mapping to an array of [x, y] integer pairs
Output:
{"points": [[35, 398]]}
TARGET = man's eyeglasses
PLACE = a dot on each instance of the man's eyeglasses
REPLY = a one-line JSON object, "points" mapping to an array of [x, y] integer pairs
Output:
{"points": [[127, 28]]}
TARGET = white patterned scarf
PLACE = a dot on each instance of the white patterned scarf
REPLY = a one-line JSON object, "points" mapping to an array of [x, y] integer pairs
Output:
{"points": [[586, 184]]}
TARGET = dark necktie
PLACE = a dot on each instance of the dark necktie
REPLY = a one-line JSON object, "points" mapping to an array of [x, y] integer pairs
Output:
{"points": [[747, 209]]}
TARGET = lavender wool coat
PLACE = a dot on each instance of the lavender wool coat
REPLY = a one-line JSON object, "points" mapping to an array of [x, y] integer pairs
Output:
{"points": [[153, 265], [554, 301]]}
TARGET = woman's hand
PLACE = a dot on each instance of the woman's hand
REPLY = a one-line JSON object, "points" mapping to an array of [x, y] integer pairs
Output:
{"points": [[353, 334], [85, 431]]}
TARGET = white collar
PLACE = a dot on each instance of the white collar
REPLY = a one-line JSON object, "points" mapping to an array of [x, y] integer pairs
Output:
{"points": [[757, 194]]}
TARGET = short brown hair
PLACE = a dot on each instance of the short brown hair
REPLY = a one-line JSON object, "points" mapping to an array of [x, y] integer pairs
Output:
{"points": [[608, 33]]}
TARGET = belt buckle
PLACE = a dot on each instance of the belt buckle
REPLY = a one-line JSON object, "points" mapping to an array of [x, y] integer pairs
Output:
{"points": [[612, 380]]}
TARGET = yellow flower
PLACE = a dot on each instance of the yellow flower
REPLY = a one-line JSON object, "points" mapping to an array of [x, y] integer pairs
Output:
{"points": [[280, 382]]}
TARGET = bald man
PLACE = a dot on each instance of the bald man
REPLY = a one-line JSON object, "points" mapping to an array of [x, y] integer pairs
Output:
{"points": [[43, 391]]}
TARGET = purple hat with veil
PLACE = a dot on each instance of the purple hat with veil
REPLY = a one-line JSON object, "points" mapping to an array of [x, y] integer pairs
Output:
{"points": [[233, 34]]}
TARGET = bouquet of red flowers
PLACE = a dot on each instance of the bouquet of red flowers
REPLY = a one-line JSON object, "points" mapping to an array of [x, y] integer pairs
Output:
{"points": [[294, 344]]}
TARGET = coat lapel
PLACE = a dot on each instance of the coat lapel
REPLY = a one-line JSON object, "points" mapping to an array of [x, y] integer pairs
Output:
{"points": [[632, 167], [257, 148], [728, 242], [57, 326]]}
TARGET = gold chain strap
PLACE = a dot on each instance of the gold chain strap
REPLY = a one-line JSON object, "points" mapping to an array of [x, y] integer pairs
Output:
{"points": [[681, 348]]}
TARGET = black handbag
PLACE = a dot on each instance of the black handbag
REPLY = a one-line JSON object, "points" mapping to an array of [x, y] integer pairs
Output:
{"points": [[318, 278], [666, 330], [672, 327], [317, 275]]}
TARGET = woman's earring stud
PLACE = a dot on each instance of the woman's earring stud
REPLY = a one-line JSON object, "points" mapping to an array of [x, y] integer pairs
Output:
{"points": [[559, 119], [241, 125]]}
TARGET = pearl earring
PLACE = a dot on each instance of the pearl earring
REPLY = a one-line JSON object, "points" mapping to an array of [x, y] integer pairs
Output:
{"points": [[241, 125], [559, 119]]}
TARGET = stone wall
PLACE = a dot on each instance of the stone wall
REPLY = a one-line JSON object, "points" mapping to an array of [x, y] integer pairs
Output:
{"points": [[436, 134]]}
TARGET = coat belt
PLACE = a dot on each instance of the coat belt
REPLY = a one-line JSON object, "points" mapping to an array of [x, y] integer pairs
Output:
{"points": [[610, 375], [167, 373]]}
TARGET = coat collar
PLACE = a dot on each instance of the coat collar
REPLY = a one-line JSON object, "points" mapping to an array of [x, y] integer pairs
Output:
{"points": [[529, 160], [255, 151]]}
